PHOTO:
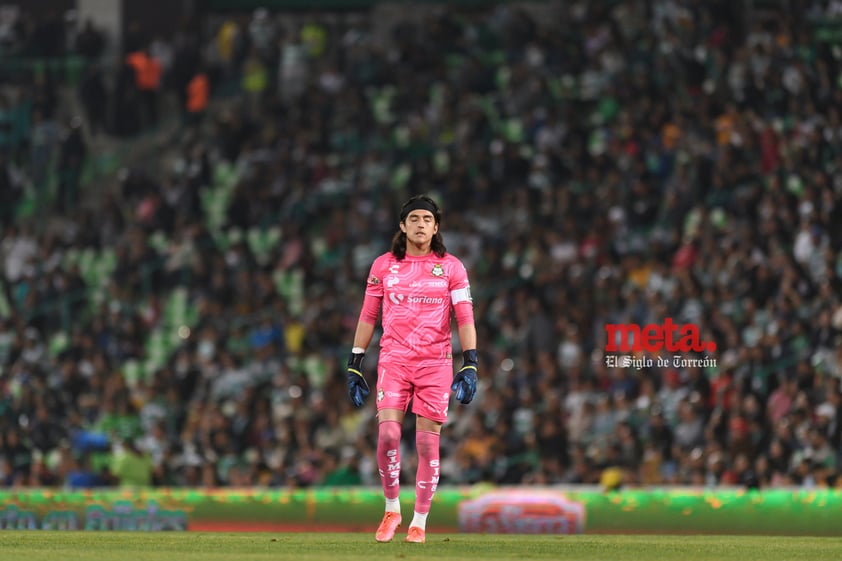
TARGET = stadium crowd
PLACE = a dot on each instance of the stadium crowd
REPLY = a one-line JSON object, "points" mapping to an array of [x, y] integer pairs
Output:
{"points": [[621, 162]]}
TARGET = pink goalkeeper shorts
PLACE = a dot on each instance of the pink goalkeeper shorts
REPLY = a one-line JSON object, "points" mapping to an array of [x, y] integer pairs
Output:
{"points": [[427, 386]]}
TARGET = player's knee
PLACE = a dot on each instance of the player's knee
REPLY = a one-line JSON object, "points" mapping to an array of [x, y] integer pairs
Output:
{"points": [[390, 432]]}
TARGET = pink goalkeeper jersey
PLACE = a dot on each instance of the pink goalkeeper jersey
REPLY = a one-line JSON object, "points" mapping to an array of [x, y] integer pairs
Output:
{"points": [[418, 295]]}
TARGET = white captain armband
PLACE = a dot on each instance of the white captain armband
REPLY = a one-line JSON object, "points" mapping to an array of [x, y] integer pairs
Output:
{"points": [[461, 295]]}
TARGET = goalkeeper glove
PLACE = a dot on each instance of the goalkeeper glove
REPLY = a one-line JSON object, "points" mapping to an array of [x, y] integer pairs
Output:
{"points": [[357, 386], [465, 381]]}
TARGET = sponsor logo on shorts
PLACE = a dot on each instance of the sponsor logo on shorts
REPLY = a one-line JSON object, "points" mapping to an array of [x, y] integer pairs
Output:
{"points": [[436, 410]]}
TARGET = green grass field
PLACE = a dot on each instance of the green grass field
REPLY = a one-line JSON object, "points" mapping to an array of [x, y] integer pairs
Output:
{"points": [[90, 546]]}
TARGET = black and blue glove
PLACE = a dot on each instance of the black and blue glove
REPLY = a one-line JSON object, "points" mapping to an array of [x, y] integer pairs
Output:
{"points": [[357, 386], [465, 381]]}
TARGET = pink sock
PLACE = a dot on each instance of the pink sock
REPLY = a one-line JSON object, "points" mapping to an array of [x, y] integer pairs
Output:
{"points": [[389, 457], [427, 477]]}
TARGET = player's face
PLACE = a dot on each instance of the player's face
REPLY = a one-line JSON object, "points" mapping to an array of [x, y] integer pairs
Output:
{"points": [[420, 227]]}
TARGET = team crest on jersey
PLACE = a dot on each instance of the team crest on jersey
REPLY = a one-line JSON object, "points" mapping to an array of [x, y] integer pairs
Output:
{"points": [[373, 280], [380, 395], [437, 270]]}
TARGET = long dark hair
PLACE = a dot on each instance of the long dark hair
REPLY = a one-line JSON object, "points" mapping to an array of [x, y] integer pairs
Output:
{"points": [[399, 239]]}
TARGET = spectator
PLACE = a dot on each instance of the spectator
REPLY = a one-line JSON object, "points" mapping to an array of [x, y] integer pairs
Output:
{"points": [[147, 81], [132, 467], [94, 98], [644, 163], [90, 42], [72, 155], [198, 93]]}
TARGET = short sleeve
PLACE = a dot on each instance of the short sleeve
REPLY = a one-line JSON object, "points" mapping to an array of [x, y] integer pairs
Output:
{"points": [[374, 283], [460, 288]]}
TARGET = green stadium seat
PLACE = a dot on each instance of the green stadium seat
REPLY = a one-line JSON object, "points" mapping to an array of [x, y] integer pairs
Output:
{"points": [[58, 343], [290, 286], [502, 77], [176, 308], [71, 257], [132, 372], [401, 176], [315, 369], [235, 236], [514, 131], [5, 306], [158, 241]]}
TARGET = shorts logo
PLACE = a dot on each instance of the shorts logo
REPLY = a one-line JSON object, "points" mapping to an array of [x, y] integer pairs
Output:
{"points": [[437, 270], [380, 395]]}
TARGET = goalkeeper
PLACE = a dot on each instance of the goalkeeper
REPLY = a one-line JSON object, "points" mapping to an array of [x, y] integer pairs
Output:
{"points": [[416, 284]]}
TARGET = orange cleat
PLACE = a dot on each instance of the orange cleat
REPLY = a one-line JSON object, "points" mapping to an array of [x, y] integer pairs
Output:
{"points": [[415, 535], [386, 530]]}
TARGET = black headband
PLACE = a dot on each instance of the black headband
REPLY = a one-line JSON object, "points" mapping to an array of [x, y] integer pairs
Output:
{"points": [[419, 204]]}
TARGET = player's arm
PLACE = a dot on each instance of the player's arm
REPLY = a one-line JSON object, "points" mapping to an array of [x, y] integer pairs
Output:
{"points": [[358, 388], [370, 310], [468, 336], [465, 382], [365, 332]]}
